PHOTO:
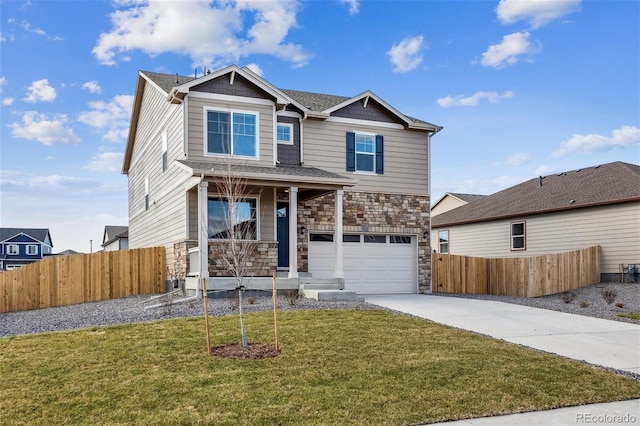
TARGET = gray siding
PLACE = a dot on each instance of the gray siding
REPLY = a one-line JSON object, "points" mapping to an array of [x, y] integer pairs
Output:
{"points": [[196, 128], [405, 156], [373, 111], [615, 228], [164, 223], [290, 154], [240, 87]]}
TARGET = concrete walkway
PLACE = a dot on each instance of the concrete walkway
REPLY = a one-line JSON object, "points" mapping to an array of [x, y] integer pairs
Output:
{"points": [[597, 341]]}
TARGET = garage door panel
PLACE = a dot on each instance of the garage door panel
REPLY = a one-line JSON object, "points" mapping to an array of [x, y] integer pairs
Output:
{"points": [[370, 267]]}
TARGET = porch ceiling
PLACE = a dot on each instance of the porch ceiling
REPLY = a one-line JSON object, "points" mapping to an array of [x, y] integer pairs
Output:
{"points": [[301, 176]]}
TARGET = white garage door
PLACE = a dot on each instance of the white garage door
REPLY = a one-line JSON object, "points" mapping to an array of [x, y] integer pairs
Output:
{"points": [[372, 263]]}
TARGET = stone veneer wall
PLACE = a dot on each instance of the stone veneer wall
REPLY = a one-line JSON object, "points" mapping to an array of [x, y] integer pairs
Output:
{"points": [[263, 263], [370, 213]]}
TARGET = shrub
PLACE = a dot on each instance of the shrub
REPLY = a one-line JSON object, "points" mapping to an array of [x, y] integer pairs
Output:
{"points": [[584, 304], [251, 300], [568, 297], [609, 295], [620, 305], [293, 297], [234, 303]]}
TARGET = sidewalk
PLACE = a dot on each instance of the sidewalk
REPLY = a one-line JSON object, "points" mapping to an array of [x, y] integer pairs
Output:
{"points": [[597, 341]]}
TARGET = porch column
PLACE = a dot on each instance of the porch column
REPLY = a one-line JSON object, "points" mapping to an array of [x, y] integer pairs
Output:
{"points": [[203, 229], [293, 232], [337, 237]]}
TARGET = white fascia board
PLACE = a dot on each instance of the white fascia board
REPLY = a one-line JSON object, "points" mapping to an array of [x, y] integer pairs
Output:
{"points": [[367, 123], [230, 98], [369, 94]]}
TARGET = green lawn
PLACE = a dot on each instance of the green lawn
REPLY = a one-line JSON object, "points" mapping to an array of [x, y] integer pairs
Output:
{"points": [[336, 367], [632, 315]]}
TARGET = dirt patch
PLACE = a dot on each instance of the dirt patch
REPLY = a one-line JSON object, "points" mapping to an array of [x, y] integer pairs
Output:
{"points": [[252, 351]]}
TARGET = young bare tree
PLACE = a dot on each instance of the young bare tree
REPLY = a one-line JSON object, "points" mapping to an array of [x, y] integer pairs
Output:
{"points": [[236, 229]]}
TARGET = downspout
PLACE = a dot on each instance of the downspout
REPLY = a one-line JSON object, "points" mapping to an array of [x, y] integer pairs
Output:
{"points": [[429, 134]]}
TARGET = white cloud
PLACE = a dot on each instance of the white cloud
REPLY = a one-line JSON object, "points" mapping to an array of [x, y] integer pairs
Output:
{"points": [[474, 100], [625, 136], [543, 170], [92, 86], [43, 129], [40, 91], [256, 69], [3, 81], [7, 101], [405, 56], [39, 31], [106, 162], [354, 6], [518, 159], [509, 50], [211, 33], [112, 116], [536, 12]]}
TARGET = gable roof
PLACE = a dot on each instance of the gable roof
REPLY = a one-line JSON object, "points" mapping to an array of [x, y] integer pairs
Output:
{"points": [[466, 198], [111, 233], [610, 183], [38, 234]]}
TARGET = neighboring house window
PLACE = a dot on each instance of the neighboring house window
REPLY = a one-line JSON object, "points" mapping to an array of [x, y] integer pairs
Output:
{"points": [[365, 153], [32, 249], [164, 150], [232, 133], [12, 249], [518, 236], [284, 134], [238, 219], [443, 241], [146, 193]]}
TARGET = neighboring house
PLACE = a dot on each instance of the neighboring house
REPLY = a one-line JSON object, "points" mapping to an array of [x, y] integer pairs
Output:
{"points": [[550, 214], [339, 185], [21, 246], [67, 252], [115, 238], [453, 200]]}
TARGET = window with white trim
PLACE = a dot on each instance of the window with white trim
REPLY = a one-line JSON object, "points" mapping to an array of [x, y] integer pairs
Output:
{"points": [[12, 249], [443, 242], [236, 218], [146, 193], [365, 152], [32, 249], [231, 133], [164, 150], [284, 133], [518, 236]]}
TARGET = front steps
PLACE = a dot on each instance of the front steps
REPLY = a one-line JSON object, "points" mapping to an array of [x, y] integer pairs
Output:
{"points": [[327, 289]]}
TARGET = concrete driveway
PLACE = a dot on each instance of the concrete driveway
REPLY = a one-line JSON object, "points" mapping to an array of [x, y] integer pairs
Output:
{"points": [[597, 341]]}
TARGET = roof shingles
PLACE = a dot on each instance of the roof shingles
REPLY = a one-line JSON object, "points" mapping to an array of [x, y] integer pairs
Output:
{"points": [[605, 184]]}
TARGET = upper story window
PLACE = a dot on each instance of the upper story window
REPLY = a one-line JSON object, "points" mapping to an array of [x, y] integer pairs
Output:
{"points": [[12, 249], [231, 133], [365, 152], [443, 241], [518, 236], [284, 133], [32, 249], [146, 193], [164, 150]]}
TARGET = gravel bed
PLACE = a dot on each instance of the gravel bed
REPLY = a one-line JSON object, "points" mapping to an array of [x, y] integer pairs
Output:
{"points": [[587, 301], [131, 309]]}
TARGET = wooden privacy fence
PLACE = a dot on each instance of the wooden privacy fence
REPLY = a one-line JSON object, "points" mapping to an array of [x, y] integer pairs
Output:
{"points": [[81, 278], [516, 276]]}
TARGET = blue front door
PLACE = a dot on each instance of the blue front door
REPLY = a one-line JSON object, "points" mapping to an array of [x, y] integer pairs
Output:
{"points": [[282, 214]]}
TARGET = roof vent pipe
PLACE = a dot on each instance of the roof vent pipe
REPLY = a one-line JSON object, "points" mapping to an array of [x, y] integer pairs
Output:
{"points": [[540, 181]]}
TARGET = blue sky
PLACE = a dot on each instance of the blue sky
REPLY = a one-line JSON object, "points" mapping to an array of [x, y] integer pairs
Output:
{"points": [[522, 88]]}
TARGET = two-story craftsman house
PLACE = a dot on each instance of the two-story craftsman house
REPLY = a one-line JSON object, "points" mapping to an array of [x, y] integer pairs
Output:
{"points": [[338, 186]]}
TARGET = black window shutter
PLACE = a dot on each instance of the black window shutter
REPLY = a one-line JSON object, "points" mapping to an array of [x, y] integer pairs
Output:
{"points": [[379, 154], [351, 152]]}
